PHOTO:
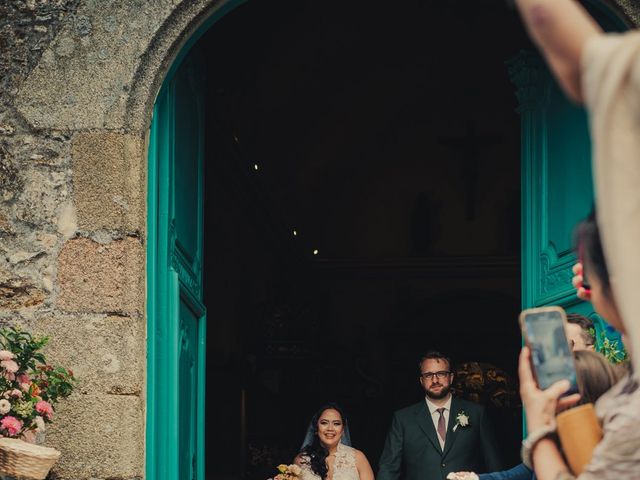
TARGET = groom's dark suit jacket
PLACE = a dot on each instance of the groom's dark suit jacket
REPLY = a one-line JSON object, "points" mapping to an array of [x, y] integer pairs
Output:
{"points": [[412, 450]]}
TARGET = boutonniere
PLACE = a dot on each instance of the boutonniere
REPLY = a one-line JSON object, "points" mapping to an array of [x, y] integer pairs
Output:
{"points": [[462, 420]]}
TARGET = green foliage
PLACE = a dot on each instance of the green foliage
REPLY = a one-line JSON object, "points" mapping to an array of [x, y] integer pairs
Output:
{"points": [[24, 346], [55, 382], [612, 350]]}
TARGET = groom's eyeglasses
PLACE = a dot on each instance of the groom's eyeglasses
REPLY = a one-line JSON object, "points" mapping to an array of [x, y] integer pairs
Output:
{"points": [[439, 375]]}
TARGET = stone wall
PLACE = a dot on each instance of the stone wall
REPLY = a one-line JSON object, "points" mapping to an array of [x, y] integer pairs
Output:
{"points": [[72, 205], [77, 83]]}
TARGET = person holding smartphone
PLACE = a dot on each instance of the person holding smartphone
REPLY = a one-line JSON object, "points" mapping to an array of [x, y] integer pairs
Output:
{"points": [[617, 456], [595, 376]]}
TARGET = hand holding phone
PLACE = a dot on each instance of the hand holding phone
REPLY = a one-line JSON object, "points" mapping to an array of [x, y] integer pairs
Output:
{"points": [[577, 283], [585, 282], [544, 333]]}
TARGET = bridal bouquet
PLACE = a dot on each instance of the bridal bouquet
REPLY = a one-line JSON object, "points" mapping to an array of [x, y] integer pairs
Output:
{"points": [[288, 472], [29, 387]]}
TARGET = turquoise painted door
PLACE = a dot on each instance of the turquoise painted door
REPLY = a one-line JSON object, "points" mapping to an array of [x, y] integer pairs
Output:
{"points": [[177, 326], [557, 187]]}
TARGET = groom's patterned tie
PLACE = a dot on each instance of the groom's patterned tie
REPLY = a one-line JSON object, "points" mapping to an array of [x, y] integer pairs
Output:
{"points": [[442, 427]]}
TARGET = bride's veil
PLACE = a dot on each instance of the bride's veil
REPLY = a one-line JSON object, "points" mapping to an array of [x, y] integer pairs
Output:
{"points": [[308, 438]]}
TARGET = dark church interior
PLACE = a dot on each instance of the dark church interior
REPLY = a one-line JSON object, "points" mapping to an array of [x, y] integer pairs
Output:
{"points": [[362, 207]]}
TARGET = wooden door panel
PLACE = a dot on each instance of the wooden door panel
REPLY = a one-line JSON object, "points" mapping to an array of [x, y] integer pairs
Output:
{"points": [[188, 377], [556, 183], [188, 155], [557, 188], [177, 320]]}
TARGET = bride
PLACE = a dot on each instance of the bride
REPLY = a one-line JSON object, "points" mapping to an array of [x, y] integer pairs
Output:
{"points": [[326, 453]]}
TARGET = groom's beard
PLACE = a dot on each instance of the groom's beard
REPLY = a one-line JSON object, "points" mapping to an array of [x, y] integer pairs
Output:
{"points": [[444, 391]]}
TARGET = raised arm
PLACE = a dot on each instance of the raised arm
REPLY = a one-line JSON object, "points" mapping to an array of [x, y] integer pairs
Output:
{"points": [[560, 28]]}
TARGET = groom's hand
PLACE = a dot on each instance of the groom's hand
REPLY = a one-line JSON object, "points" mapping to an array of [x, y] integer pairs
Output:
{"points": [[462, 476]]}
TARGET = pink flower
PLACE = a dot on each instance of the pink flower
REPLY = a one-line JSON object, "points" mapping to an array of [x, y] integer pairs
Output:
{"points": [[9, 365], [23, 378], [6, 355], [25, 386], [11, 425], [8, 375], [45, 409]]}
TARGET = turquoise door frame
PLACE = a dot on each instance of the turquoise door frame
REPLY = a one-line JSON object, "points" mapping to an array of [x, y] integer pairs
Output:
{"points": [[557, 188], [557, 185], [176, 315]]}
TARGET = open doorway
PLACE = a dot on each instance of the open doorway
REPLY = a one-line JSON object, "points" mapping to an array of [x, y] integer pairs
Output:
{"points": [[362, 206]]}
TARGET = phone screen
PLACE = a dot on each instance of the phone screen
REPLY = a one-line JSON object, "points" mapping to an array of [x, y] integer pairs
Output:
{"points": [[551, 356]]}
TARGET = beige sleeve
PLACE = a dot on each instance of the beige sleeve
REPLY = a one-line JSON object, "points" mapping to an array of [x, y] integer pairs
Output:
{"points": [[608, 62], [610, 86]]}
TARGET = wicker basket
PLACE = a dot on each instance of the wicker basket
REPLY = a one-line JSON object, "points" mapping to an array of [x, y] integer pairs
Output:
{"points": [[25, 460]]}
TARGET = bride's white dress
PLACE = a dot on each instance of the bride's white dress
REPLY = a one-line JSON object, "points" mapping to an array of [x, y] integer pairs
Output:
{"points": [[344, 466]]}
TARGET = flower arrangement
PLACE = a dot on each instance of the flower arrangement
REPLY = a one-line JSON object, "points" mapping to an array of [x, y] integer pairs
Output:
{"points": [[288, 472], [487, 384], [29, 387]]}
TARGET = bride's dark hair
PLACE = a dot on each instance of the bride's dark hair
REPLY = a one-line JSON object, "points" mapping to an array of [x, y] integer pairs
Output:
{"points": [[314, 454]]}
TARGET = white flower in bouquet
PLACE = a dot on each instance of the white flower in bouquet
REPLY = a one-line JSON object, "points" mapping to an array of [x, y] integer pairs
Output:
{"points": [[24, 409], [40, 426], [295, 470]]}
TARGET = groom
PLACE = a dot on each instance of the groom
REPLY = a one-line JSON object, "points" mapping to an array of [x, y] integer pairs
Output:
{"points": [[439, 434]]}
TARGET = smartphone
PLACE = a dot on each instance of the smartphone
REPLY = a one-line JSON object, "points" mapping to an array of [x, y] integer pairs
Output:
{"points": [[585, 282], [544, 333]]}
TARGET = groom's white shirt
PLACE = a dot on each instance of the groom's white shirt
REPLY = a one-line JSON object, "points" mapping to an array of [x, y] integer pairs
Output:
{"points": [[435, 416]]}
